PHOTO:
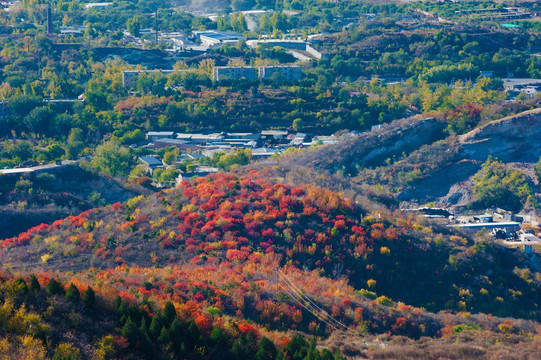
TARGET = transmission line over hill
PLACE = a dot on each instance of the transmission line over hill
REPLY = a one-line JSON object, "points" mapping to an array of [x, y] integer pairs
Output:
{"points": [[289, 288]]}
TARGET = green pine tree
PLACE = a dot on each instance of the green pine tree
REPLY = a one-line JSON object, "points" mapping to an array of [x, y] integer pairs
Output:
{"points": [[169, 313], [117, 302], [146, 345], [89, 298], [219, 338], [54, 288], [20, 287], [192, 336], [164, 337], [176, 332], [156, 326], [73, 293], [265, 350], [34, 283], [130, 331]]}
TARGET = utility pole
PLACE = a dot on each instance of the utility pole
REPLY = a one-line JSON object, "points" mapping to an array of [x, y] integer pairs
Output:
{"points": [[156, 25], [39, 63], [49, 20]]}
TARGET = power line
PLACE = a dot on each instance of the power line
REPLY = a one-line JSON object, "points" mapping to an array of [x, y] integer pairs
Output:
{"points": [[306, 298], [316, 314], [296, 294], [323, 316], [315, 309]]}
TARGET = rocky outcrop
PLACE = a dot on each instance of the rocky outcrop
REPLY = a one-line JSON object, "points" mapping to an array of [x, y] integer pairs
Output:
{"points": [[404, 136], [444, 178], [449, 185], [512, 139], [372, 148]]}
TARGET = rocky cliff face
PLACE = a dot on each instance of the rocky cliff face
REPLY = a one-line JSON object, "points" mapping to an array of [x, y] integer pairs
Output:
{"points": [[447, 166], [404, 136], [372, 148], [512, 139]]}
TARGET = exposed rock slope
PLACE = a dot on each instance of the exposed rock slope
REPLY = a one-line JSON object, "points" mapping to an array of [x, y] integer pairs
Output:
{"points": [[512, 139], [441, 170]]}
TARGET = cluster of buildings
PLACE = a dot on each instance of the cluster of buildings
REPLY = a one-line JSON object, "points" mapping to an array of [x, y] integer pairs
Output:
{"points": [[296, 47], [516, 86], [266, 142], [506, 13], [100, 5], [213, 38], [73, 30], [263, 144], [515, 230], [289, 72], [196, 147], [202, 41]]}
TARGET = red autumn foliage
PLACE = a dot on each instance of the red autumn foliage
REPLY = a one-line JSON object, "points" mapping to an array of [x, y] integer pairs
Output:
{"points": [[245, 328]]}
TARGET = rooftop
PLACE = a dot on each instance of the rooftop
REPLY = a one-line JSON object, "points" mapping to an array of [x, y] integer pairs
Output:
{"points": [[37, 168], [210, 152], [529, 238], [263, 152], [281, 66], [511, 26], [221, 35], [172, 142], [154, 133], [16, 171], [234, 67], [274, 132], [490, 225], [197, 156], [520, 81], [242, 136], [150, 161], [95, 5]]}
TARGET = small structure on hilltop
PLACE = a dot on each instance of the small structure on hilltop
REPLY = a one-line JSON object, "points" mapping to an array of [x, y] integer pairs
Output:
{"points": [[157, 135], [213, 38], [234, 72], [150, 163]]}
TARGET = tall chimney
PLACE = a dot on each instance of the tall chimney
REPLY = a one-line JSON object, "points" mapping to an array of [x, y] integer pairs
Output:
{"points": [[49, 20], [156, 24]]}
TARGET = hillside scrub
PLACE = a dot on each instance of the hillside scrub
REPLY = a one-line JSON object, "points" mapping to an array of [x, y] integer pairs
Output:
{"points": [[495, 185], [37, 324], [225, 219]]}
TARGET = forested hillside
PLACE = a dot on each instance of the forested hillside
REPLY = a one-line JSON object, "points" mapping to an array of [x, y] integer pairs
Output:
{"points": [[275, 258], [497, 164], [42, 319], [318, 121]]}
